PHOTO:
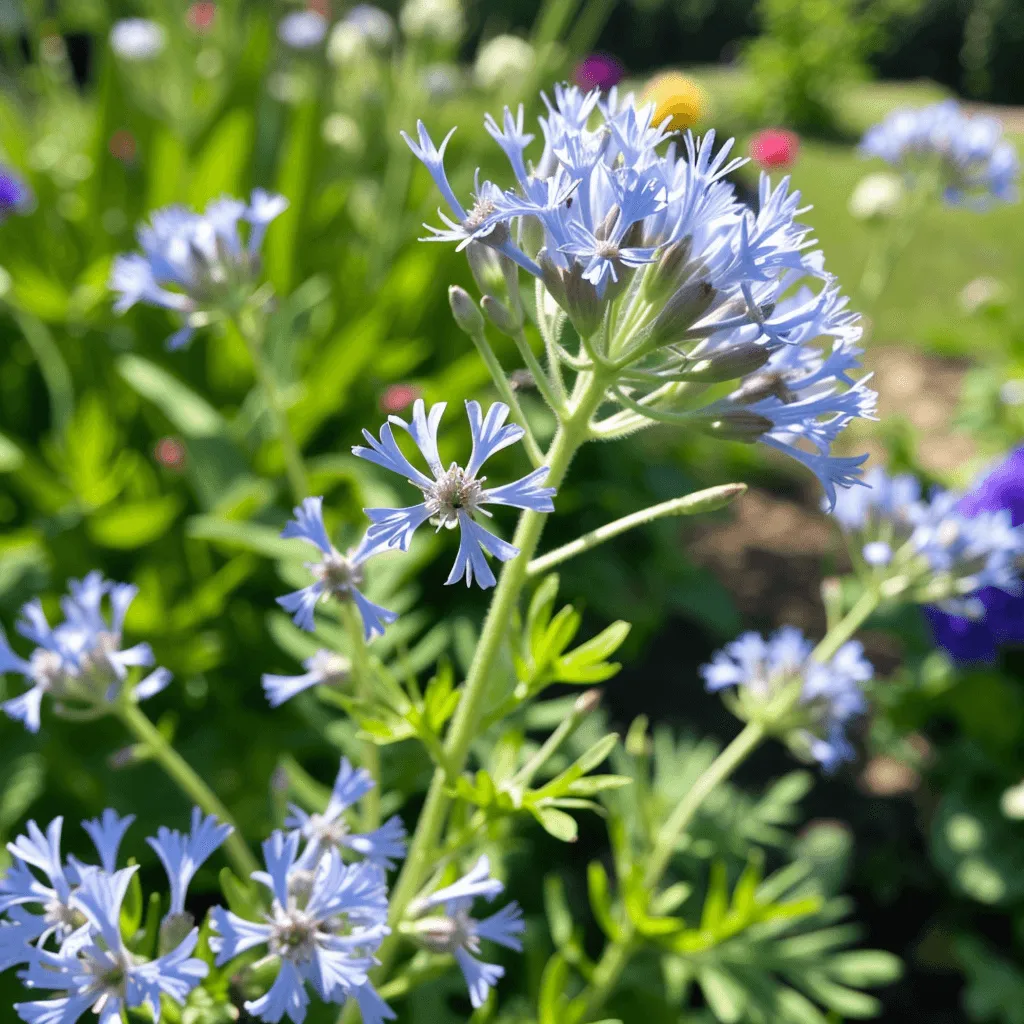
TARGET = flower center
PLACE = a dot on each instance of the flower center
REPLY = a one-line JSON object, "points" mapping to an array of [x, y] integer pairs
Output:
{"points": [[606, 249], [326, 831], [61, 917], [339, 573], [452, 493], [294, 934], [447, 934]]}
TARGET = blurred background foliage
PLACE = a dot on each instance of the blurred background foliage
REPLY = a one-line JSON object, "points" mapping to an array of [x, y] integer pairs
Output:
{"points": [[159, 468]]}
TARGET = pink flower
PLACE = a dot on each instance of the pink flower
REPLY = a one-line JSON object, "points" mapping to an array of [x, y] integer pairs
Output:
{"points": [[170, 453], [775, 147], [200, 15], [598, 71], [398, 397]]}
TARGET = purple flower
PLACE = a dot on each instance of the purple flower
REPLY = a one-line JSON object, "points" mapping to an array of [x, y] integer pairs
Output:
{"points": [[1001, 618], [598, 71], [14, 194]]}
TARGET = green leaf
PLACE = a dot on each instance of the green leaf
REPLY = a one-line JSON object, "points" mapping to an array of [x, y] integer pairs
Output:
{"points": [[219, 167], [191, 414], [600, 899], [262, 540], [557, 823], [725, 995], [556, 907], [594, 784], [551, 997], [131, 907], [11, 456], [133, 524], [586, 663], [22, 784], [863, 968], [844, 1001], [241, 898]]}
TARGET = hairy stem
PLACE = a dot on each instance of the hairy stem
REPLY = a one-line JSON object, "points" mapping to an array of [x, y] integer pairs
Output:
{"points": [[690, 504], [847, 626], [188, 781]]}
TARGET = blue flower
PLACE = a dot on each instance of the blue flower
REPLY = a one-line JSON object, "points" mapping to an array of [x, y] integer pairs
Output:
{"points": [[806, 701], [81, 660], [302, 30], [948, 550], [324, 668], [107, 834], [454, 496], [338, 576], [15, 196], [182, 856], [973, 160], [330, 831], [611, 204], [95, 971], [325, 922], [197, 265], [459, 934]]}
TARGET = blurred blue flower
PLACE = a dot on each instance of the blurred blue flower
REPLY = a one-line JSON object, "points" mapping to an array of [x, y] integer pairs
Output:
{"points": [[1000, 618], [324, 668], [975, 163], [94, 969], [15, 196], [79, 661], [330, 831], [338, 576], [454, 496], [197, 265], [325, 922], [829, 694], [459, 934], [302, 30], [615, 201]]}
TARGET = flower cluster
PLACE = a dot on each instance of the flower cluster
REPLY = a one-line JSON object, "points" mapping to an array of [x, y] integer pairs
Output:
{"points": [[452, 498], [80, 662], [457, 933], [197, 265], [973, 161], [1001, 618], [940, 550], [326, 920], [62, 922], [779, 683], [671, 282]]}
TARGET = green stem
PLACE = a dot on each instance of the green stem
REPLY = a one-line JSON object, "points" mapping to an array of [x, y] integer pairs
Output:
{"points": [[850, 623], [573, 432], [294, 466], [617, 954], [688, 505], [543, 382], [508, 396], [186, 779], [370, 754]]}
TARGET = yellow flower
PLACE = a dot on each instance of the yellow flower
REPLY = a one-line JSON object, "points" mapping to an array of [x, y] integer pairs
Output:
{"points": [[677, 97]]}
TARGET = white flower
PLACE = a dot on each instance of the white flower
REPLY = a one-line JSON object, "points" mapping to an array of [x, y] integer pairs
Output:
{"points": [[877, 197], [501, 59], [137, 39], [440, 20]]}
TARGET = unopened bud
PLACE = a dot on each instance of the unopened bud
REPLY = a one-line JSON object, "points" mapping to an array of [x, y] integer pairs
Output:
{"points": [[174, 930], [485, 266], [553, 281], [587, 701], [664, 275], [763, 385], [585, 309], [465, 311], [684, 309], [736, 425], [735, 361], [499, 315]]}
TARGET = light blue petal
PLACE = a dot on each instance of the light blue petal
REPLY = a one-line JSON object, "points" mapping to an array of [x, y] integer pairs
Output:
{"points": [[394, 527], [107, 833], [235, 935], [480, 977], [524, 493], [470, 562], [383, 846], [308, 524], [476, 882], [386, 453], [490, 433], [302, 604], [504, 927], [287, 996], [182, 856], [374, 617]]}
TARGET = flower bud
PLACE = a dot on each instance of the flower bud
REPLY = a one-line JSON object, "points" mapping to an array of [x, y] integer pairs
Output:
{"points": [[735, 361], [585, 309], [587, 701], [500, 315], [485, 266], [760, 386], [686, 307], [465, 311], [665, 276], [174, 929], [736, 425]]}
